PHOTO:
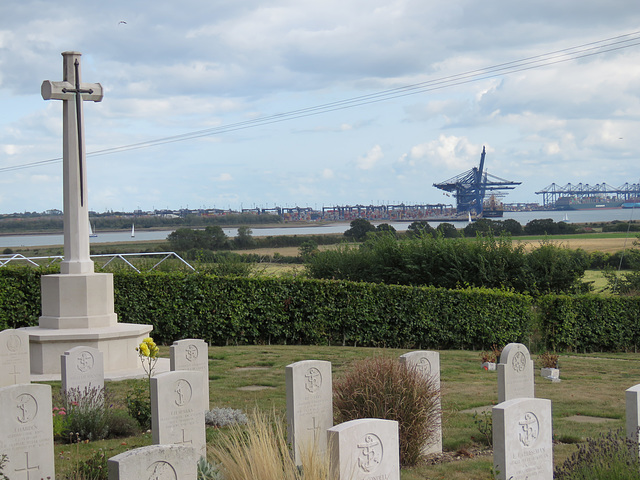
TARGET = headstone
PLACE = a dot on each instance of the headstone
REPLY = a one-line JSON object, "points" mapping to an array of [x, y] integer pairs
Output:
{"points": [[26, 431], [176, 410], [632, 398], [14, 357], [522, 439], [365, 449], [309, 406], [82, 368], [155, 462], [427, 364], [192, 355], [515, 373]]}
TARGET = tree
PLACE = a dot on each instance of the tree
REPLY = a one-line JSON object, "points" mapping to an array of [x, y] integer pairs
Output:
{"points": [[243, 238], [420, 228], [359, 229], [308, 249], [386, 228], [448, 230], [216, 238]]}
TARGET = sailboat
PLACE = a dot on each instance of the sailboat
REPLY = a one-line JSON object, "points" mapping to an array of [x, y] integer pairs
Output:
{"points": [[566, 218], [133, 230], [91, 232]]}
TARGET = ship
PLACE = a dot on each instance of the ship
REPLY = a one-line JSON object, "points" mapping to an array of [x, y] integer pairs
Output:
{"points": [[588, 203], [492, 208]]}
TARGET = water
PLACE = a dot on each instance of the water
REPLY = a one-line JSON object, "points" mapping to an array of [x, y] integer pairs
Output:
{"points": [[577, 216]]}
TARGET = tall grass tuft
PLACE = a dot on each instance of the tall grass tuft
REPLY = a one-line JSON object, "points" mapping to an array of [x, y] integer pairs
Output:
{"points": [[259, 451], [609, 456], [382, 387]]}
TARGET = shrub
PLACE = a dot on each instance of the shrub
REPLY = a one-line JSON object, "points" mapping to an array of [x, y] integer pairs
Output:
{"points": [[382, 387], [87, 417], [121, 424], [548, 360], [223, 417], [260, 451], [610, 456], [93, 468], [139, 405], [208, 471]]}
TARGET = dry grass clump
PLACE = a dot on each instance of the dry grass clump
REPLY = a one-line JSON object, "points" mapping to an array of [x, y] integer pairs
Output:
{"points": [[382, 387], [259, 451]]}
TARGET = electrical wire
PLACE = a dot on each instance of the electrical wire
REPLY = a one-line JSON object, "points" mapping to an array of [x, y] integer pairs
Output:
{"points": [[598, 47]]}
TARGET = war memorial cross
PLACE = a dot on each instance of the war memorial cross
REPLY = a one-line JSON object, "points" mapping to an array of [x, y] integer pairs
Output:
{"points": [[76, 214]]}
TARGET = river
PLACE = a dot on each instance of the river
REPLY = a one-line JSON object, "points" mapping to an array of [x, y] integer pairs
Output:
{"points": [[576, 216]]}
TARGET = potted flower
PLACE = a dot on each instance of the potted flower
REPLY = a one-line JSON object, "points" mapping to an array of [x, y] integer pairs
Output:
{"points": [[550, 368]]}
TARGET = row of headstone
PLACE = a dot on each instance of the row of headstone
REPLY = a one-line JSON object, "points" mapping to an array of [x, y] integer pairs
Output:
{"points": [[357, 446], [522, 424]]}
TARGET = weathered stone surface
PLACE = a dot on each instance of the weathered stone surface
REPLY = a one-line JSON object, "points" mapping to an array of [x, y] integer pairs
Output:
{"points": [[365, 449], [515, 373], [26, 431], [155, 462], [14, 357], [522, 439], [176, 410], [82, 368], [309, 405], [192, 355]]}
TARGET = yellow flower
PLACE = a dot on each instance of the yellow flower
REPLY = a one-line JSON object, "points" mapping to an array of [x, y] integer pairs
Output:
{"points": [[144, 349]]}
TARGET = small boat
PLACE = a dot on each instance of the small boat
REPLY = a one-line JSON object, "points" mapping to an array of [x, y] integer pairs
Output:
{"points": [[91, 232], [566, 218], [133, 230]]}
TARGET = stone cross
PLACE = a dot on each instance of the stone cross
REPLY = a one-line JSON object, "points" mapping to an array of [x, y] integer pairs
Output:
{"points": [[76, 213]]}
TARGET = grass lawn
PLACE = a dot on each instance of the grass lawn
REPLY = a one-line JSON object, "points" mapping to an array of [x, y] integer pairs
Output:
{"points": [[592, 386]]}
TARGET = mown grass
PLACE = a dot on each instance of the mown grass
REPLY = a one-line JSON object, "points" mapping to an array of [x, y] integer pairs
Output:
{"points": [[592, 385]]}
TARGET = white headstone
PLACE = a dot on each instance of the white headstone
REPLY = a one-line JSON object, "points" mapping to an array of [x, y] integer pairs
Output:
{"points": [[82, 368], [14, 357], [192, 355], [26, 431], [515, 373], [365, 449], [522, 439], [155, 462], [632, 398], [309, 406], [176, 410], [427, 364]]}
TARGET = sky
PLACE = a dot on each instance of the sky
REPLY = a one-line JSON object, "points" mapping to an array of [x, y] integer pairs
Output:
{"points": [[243, 103]]}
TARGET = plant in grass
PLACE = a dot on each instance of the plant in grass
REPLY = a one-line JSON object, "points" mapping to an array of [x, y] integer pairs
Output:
{"points": [[548, 360], [484, 423], [259, 451], [609, 456], [382, 387], [148, 353], [60, 423], [139, 405], [223, 417], [86, 414], [3, 462], [207, 470], [93, 468]]}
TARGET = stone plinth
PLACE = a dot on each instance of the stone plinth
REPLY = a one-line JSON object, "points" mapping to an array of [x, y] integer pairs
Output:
{"points": [[77, 301], [117, 343]]}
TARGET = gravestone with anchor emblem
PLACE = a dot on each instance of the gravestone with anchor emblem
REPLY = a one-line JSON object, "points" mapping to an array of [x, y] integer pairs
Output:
{"points": [[155, 462], [176, 410], [309, 406], [14, 357], [522, 439], [515, 373], [193, 355], [82, 368]]}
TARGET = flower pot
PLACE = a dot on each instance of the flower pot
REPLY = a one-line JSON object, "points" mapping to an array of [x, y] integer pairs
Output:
{"points": [[489, 366]]}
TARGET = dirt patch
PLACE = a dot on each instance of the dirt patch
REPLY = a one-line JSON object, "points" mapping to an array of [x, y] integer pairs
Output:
{"points": [[255, 388]]}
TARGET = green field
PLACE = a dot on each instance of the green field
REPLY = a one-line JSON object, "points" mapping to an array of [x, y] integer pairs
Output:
{"points": [[592, 386]]}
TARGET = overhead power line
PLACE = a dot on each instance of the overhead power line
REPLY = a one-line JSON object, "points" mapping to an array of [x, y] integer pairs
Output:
{"points": [[598, 47]]}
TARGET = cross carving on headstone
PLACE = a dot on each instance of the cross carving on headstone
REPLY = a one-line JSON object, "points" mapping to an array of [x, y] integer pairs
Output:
{"points": [[27, 468], [76, 214], [15, 374], [184, 440]]}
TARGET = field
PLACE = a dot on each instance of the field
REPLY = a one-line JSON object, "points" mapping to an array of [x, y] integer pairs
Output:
{"points": [[589, 400]]}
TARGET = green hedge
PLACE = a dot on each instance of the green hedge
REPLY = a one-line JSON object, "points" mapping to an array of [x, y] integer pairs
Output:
{"points": [[225, 310], [587, 323]]}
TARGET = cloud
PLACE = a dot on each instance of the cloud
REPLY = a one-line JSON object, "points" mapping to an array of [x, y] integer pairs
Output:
{"points": [[223, 177], [368, 161]]}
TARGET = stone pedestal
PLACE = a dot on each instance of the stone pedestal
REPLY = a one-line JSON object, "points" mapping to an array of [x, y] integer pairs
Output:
{"points": [[79, 310]]}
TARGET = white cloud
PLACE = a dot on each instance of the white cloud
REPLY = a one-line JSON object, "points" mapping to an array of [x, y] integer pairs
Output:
{"points": [[370, 160], [223, 177]]}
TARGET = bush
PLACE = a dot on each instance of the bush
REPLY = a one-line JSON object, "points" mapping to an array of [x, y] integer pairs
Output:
{"points": [[382, 387], [87, 417], [608, 457], [259, 451], [223, 417], [139, 405]]}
